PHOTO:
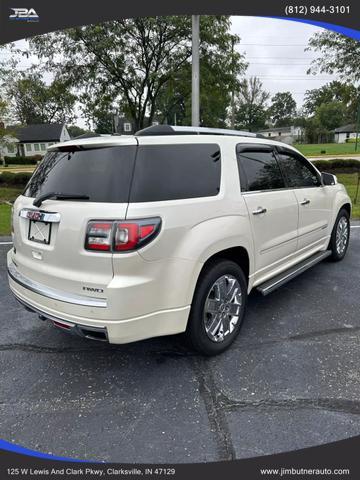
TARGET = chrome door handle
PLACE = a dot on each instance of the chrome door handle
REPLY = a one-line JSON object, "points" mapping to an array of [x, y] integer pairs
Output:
{"points": [[305, 202], [259, 211]]}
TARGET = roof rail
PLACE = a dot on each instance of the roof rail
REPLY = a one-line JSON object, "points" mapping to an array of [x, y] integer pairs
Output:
{"points": [[177, 130]]}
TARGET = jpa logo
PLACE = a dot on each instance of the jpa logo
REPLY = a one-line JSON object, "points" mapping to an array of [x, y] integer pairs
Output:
{"points": [[24, 14]]}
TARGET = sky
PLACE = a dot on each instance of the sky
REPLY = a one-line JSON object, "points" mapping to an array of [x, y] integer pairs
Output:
{"points": [[275, 52]]}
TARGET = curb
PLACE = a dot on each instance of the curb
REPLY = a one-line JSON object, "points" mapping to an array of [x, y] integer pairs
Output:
{"points": [[5, 239]]}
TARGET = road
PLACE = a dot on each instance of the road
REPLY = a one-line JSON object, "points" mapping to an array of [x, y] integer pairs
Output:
{"points": [[291, 380]]}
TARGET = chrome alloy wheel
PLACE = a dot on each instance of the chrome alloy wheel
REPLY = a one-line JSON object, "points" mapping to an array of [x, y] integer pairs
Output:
{"points": [[342, 235], [222, 308]]}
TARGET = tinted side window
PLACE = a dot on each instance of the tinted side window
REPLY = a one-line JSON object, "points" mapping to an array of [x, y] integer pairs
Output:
{"points": [[172, 172], [259, 170], [297, 172]]}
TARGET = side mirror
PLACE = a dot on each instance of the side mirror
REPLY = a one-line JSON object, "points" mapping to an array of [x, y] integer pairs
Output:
{"points": [[328, 178]]}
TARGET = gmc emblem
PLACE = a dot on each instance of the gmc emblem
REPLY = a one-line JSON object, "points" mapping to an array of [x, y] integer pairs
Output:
{"points": [[34, 215]]}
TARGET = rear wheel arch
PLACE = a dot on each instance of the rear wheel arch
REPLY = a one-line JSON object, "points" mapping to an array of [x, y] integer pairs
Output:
{"points": [[239, 255], [345, 206], [340, 203], [340, 233]]}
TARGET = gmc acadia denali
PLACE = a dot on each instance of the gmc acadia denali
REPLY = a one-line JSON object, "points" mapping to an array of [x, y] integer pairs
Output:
{"points": [[124, 238]]}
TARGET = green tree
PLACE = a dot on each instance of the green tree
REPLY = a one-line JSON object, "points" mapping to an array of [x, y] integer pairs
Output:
{"points": [[220, 68], [251, 112], [133, 61], [346, 93], [217, 82], [331, 115], [282, 109], [35, 102], [328, 116], [338, 54], [75, 131], [5, 134], [104, 121]]}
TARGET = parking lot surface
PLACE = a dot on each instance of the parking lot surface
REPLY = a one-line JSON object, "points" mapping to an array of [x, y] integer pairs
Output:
{"points": [[291, 380]]}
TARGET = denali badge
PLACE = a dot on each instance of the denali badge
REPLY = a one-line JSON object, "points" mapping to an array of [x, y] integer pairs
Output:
{"points": [[93, 289]]}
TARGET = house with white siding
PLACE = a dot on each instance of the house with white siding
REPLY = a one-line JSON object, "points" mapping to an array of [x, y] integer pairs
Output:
{"points": [[29, 140], [342, 134], [287, 135]]}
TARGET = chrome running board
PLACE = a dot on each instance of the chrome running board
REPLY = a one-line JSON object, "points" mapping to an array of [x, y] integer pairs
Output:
{"points": [[284, 277]]}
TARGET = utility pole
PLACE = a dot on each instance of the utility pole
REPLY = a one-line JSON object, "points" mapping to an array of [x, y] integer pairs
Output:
{"points": [[195, 93], [115, 120], [357, 127], [233, 92]]}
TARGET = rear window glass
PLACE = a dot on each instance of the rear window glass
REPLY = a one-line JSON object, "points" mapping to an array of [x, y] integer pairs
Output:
{"points": [[172, 172], [103, 174]]}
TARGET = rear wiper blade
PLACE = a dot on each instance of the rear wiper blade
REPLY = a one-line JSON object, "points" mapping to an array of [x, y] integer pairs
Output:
{"points": [[59, 196]]}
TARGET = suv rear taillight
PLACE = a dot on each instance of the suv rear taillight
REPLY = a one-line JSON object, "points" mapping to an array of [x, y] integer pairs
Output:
{"points": [[99, 236], [118, 236]]}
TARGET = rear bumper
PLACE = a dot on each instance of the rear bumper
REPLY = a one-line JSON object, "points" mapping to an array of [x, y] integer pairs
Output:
{"points": [[87, 319], [92, 333], [53, 293]]}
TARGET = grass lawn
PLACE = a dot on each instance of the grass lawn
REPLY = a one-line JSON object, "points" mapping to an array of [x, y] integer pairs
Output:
{"points": [[350, 181], [18, 168], [5, 219], [9, 194], [330, 148]]}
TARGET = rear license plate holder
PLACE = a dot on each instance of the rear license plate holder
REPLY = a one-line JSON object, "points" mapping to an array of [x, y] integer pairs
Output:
{"points": [[39, 232]]}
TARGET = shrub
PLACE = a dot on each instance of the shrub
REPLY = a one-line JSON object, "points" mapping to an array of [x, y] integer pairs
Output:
{"points": [[33, 160], [19, 179], [351, 140], [338, 165]]}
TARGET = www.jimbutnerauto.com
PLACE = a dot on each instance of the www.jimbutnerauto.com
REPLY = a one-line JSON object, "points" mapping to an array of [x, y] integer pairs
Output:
{"points": [[281, 472]]}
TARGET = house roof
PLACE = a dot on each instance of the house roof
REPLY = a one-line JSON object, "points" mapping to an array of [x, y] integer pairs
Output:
{"points": [[38, 132], [346, 128]]}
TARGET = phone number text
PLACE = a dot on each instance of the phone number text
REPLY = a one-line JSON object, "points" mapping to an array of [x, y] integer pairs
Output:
{"points": [[322, 9]]}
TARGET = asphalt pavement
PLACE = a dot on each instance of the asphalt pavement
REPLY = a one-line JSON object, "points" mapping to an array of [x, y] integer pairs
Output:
{"points": [[291, 380]]}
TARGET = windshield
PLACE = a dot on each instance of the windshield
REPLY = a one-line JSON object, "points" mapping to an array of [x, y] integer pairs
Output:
{"points": [[102, 174]]}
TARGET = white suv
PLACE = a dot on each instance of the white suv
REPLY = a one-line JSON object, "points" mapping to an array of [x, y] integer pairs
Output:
{"points": [[124, 238]]}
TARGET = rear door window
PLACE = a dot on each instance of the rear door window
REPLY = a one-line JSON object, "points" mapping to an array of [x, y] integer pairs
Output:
{"points": [[259, 169], [173, 172], [103, 174], [298, 172]]}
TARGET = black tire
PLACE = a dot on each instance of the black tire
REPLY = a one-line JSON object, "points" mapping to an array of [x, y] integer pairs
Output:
{"points": [[221, 270], [337, 253]]}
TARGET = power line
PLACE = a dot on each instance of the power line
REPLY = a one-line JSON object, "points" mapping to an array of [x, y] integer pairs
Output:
{"points": [[290, 77], [288, 64], [283, 58], [274, 44]]}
